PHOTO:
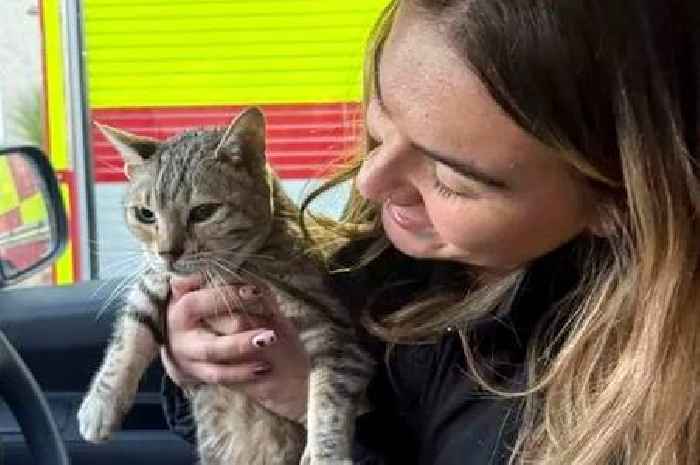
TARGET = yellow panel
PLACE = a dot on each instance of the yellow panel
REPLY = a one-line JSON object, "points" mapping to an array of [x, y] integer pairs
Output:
{"points": [[64, 264], [162, 10], [129, 59], [271, 26], [187, 53], [147, 97], [8, 193], [55, 85], [33, 209]]}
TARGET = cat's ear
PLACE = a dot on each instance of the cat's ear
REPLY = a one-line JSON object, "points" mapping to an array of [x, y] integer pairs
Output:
{"points": [[244, 139], [135, 150]]}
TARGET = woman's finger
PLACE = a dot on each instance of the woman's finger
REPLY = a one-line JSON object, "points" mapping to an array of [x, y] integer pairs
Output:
{"points": [[182, 285], [234, 348], [173, 370], [230, 374], [205, 303]]}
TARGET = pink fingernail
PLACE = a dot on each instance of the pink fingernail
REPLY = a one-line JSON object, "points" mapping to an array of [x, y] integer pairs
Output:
{"points": [[264, 338]]}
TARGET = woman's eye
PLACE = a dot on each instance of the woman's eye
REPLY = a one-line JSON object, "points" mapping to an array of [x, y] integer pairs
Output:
{"points": [[144, 215], [203, 212], [449, 184], [443, 190]]}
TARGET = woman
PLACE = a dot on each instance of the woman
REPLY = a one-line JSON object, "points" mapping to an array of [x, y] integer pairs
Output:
{"points": [[534, 168]]}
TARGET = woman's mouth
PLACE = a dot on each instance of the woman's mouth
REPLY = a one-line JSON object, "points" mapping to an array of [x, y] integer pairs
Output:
{"points": [[410, 217]]}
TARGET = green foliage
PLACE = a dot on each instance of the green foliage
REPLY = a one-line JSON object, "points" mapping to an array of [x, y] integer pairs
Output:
{"points": [[26, 118]]}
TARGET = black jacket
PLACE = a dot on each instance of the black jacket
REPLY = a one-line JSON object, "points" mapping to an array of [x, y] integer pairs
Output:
{"points": [[427, 409]]}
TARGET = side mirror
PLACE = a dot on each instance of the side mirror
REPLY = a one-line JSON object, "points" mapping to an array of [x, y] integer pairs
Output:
{"points": [[33, 227]]}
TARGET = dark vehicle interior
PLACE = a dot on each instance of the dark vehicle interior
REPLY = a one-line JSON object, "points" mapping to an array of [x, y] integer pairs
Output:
{"points": [[51, 342]]}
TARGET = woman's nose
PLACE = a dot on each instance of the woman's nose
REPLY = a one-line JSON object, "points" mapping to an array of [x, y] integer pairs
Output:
{"points": [[385, 170]]}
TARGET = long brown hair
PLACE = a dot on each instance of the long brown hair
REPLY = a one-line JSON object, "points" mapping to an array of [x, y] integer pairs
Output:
{"points": [[614, 87]]}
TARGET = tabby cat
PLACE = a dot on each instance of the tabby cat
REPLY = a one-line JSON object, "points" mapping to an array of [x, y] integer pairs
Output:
{"points": [[206, 202]]}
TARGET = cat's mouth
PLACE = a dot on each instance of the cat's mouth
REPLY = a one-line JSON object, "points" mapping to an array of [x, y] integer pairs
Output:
{"points": [[182, 269], [223, 264], [178, 268]]}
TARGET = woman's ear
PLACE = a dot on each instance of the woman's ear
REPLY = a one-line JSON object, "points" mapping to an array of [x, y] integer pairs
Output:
{"points": [[135, 150]]}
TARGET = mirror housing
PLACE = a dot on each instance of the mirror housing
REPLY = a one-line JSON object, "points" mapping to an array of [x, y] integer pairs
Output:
{"points": [[33, 225]]}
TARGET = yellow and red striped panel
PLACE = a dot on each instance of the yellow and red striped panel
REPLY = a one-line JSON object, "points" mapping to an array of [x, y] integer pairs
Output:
{"points": [[159, 66]]}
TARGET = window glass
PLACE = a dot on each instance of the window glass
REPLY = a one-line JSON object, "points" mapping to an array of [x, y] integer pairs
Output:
{"points": [[67, 65], [200, 64], [22, 215]]}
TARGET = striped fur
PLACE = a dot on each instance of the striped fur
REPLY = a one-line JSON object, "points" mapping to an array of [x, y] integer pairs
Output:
{"points": [[243, 240]]}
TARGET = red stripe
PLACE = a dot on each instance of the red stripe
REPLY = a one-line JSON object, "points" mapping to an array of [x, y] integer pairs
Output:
{"points": [[303, 141], [114, 172]]}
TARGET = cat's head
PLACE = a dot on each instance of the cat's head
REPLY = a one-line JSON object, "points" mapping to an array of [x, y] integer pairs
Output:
{"points": [[197, 200]]}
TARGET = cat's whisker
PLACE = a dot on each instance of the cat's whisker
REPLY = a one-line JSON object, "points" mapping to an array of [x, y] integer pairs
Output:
{"points": [[104, 245], [116, 252], [237, 273], [254, 275], [98, 241], [227, 297], [192, 265], [108, 167], [221, 266], [124, 264], [151, 261], [209, 280], [239, 303], [126, 282], [234, 254], [229, 271], [118, 290]]}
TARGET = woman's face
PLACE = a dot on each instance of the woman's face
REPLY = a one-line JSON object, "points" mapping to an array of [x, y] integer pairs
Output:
{"points": [[457, 179]]}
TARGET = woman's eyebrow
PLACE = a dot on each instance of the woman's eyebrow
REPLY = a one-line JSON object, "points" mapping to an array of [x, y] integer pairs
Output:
{"points": [[463, 167]]}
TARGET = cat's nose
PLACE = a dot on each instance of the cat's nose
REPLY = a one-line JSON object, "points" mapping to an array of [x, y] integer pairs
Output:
{"points": [[170, 256]]}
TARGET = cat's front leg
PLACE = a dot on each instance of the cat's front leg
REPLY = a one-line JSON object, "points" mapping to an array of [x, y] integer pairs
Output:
{"points": [[339, 376], [133, 346]]}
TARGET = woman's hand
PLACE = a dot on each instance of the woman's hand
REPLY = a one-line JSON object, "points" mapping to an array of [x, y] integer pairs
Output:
{"points": [[210, 343]]}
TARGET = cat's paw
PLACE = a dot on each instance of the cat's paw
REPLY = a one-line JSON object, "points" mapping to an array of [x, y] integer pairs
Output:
{"points": [[306, 459], [325, 461], [97, 418]]}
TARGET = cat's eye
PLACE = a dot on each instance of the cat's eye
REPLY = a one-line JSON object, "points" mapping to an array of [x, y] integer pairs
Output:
{"points": [[144, 215], [203, 212]]}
